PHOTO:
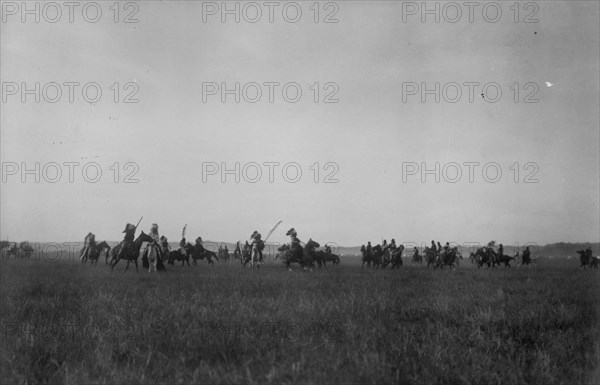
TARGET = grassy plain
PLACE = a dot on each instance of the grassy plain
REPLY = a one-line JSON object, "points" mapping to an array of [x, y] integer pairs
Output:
{"points": [[63, 322]]}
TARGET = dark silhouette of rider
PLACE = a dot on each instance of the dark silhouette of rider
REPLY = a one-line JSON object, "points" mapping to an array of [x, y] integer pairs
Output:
{"points": [[88, 242], [295, 243], [128, 239]]}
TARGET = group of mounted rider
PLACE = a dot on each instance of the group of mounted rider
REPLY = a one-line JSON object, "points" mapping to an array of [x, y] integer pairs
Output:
{"points": [[382, 255], [306, 254], [487, 256], [156, 249], [437, 255]]}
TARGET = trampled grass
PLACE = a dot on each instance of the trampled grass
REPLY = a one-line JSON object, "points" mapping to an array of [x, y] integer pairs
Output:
{"points": [[67, 323]]}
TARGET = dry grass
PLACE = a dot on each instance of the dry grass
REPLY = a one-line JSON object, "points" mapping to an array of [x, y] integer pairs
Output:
{"points": [[67, 323]]}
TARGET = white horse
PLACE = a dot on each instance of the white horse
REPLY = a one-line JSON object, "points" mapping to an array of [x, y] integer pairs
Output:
{"points": [[153, 254], [255, 257]]}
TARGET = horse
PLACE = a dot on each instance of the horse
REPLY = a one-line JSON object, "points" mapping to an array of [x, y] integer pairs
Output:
{"points": [[503, 259], [288, 256], [131, 254], [587, 260], [153, 257], [95, 251], [483, 257], [448, 258], [322, 258], [366, 257], [246, 254], [305, 259], [23, 251], [308, 253], [431, 256], [377, 255], [330, 257], [237, 253], [417, 258], [177, 255], [200, 253], [255, 257], [12, 250], [396, 257]]}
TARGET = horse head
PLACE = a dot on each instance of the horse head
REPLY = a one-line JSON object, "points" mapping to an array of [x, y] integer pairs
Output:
{"points": [[283, 248], [143, 237], [312, 244]]}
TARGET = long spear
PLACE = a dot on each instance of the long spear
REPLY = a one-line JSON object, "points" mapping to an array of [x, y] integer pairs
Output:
{"points": [[273, 229], [136, 226]]}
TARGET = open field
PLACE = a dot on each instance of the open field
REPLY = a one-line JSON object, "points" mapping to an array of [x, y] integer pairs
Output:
{"points": [[67, 323]]}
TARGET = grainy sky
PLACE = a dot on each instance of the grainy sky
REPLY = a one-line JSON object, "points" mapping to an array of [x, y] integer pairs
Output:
{"points": [[370, 55]]}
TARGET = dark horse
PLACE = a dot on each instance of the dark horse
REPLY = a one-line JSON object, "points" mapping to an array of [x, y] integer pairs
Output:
{"points": [[287, 256], [377, 255], [417, 258], [308, 252], [448, 258], [95, 251], [132, 253], [322, 258], [396, 257], [246, 254], [200, 253], [503, 259], [587, 260], [305, 258], [483, 257], [366, 257], [177, 255], [431, 256]]}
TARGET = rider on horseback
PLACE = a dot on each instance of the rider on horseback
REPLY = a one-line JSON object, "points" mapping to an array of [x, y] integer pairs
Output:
{"points": [[200, 245], [500, 250], [89, 241], [327, 250], [148, 250], [127, 243], [295, 244], [257, 244], [164, 245], [392, 245]]}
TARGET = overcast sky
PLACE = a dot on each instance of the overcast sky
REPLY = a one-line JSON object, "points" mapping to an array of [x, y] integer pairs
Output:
{"points": [[368, 134]]}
